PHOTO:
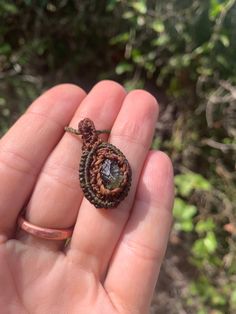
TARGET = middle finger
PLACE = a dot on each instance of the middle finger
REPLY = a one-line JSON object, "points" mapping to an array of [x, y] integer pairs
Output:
{"points": [[98, 230]]}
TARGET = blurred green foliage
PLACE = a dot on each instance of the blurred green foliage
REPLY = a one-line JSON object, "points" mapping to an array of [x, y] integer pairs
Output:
{"points": [[184, 48]]}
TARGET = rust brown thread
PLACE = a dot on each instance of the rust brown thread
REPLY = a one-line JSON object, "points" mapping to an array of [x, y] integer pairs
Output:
{"points": [[105, 174]]}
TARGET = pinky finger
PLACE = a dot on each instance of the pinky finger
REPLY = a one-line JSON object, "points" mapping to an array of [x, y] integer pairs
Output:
{"points": [[135, 266]]}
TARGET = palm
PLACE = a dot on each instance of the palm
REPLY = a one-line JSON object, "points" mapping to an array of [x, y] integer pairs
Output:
{"points": [[48, 282], [113, 259]]}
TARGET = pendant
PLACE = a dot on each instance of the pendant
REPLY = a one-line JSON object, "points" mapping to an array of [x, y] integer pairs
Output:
{"points": [[104, 173]]}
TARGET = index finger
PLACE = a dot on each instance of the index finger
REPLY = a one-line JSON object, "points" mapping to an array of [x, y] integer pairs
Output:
{"points": [[26, 146]]}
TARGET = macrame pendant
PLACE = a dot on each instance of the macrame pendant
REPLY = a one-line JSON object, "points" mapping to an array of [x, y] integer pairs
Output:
{"points": [[104, 173]]}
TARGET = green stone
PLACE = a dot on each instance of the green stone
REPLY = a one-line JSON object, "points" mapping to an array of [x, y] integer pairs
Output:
{"points": [[111, 174]]}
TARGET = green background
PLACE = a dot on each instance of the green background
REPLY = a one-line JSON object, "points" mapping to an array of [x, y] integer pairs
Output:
{"points": [[184, 53]]}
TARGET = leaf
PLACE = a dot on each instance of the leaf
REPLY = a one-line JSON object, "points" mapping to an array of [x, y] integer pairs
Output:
{"points": [[162, 40], [215, 9], [222, 60], [121, 38], [205, 71], [124, 67], [218, 299], [5, 49], [156, 143], [205, 226], [205, 246], [225, 40], [184, 213], [233, 298], [133, 84], [182, 210], [137, 56], [186, 60], [2, 102], [8, 7], [210, 242], [186, 226], [199, 249], [140, 7], [190, 181], [128, 15], [202, 311], [111, 4], [158, 26]]}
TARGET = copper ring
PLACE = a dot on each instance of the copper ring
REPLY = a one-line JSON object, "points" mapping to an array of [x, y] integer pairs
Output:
{"points": [[44, 233]]}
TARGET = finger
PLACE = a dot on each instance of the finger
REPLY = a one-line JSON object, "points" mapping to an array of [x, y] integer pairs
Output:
{"points": [[142, 246], [57, 194], [26, 146], [97, 230]]}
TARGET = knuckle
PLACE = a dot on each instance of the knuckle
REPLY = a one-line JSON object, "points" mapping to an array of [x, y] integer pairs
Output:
{"points": [[17, 161], [142, 250]]}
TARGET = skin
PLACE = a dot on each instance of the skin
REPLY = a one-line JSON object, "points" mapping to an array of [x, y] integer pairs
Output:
{"points": [[112, 262]]}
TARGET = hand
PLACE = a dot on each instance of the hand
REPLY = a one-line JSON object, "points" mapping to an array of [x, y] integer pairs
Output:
{"points": [[112, 262]]}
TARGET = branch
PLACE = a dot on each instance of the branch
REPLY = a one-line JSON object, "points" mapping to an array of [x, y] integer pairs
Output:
{"points": [[223, 147]]}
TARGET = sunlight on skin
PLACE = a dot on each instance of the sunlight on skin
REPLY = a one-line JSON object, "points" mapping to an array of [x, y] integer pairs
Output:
{"points": [[113, 260]]}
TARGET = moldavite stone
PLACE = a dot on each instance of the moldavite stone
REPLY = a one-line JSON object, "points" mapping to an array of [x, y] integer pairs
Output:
{"points": [[111, 174]]}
